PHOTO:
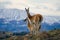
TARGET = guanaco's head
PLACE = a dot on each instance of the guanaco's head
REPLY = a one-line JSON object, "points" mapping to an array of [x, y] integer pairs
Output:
{"points": [[27, 10]]}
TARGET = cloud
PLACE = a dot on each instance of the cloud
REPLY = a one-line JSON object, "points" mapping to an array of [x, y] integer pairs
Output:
{"points": [[44, 7], [4, 4]]}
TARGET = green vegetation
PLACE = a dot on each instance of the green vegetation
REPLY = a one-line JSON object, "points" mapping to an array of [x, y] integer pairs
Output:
{"points": [[50, 35]]}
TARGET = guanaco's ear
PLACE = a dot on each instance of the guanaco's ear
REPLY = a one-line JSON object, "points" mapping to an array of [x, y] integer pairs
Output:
{"points": [[28, 8], [25, 8]]}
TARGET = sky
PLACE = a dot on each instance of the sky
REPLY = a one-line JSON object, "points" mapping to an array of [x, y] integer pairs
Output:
{"points": [[44, 7]]}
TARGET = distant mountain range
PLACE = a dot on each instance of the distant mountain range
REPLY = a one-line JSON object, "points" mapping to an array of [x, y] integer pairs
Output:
{"points": [[12, 14], [12, 20]]}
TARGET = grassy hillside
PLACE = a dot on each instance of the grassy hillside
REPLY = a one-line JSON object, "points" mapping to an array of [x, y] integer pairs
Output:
{"points": [[50, 35]]}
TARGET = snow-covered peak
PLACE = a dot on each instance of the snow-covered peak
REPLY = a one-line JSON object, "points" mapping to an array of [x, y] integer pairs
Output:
{"points": [[51, 19], [16, 14], [12, 14]]}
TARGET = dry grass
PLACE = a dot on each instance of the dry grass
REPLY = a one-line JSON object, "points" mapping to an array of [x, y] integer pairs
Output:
{"points": [[51, 35]]}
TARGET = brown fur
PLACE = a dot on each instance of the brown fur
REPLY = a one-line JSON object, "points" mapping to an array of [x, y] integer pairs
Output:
{"points": [[35, 20]]}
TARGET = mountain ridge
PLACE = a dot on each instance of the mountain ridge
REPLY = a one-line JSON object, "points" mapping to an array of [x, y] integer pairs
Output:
{"points": [[15, 21]]}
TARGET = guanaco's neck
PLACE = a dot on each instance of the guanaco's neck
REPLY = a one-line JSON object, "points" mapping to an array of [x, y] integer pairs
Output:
{"points": [[28, 14]]}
